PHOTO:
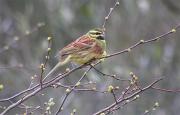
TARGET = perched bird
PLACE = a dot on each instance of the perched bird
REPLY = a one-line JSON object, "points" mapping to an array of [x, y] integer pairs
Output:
{"points": [[90, 46]]}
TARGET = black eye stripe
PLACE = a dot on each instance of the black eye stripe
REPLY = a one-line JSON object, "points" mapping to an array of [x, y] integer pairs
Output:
{"points": [[100, 38], [97, 33]]}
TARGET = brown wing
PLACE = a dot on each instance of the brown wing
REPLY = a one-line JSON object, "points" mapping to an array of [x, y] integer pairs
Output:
{"points": [[81, 44]]}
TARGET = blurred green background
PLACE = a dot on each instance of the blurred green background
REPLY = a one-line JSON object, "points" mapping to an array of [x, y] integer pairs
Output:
{"points": [[21, 52]]}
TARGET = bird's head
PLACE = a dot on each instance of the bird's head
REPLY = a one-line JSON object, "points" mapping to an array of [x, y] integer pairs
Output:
{"points": [[97, 34]]}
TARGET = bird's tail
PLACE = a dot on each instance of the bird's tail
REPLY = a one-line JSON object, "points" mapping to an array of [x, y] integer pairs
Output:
{"points": [[52, 70], [59, 64]]}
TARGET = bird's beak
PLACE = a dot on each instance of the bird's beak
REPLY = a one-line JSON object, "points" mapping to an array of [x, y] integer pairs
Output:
{"points": [[101, 37]]}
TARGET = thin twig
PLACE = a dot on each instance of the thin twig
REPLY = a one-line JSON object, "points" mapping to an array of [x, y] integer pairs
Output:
{"points": [[114, 95], [77, 89], [109, 14], [112, 76], [69, 92], [121, 106], [166, 90], [43, 66]]}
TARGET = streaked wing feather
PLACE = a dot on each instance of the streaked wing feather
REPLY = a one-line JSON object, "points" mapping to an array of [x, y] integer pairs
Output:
{"points": [[81, 44]]}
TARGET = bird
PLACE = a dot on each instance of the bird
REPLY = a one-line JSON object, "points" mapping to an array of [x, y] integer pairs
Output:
{"points": [[88, 47]]}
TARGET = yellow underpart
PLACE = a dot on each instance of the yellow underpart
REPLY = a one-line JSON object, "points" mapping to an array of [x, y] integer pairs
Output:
{"points": [[82, 59], [104, 54]]}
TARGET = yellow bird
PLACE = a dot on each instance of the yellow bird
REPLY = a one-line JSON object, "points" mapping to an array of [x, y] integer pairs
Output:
{"points": [[90, 46]]}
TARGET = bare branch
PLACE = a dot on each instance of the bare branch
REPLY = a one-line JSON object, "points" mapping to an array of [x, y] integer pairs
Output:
{"points": [[70, 90], [109, 14], [126, 98], [144, 42]]}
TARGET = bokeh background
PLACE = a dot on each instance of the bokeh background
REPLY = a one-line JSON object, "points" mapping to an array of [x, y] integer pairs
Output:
{"points": [[23, 46]]}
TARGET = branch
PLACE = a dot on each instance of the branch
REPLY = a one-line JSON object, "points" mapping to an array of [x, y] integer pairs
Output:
{"points": [[144, 42], [70, 90], [166, 90], [109, 14], [47, 84], [128, 97]]}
